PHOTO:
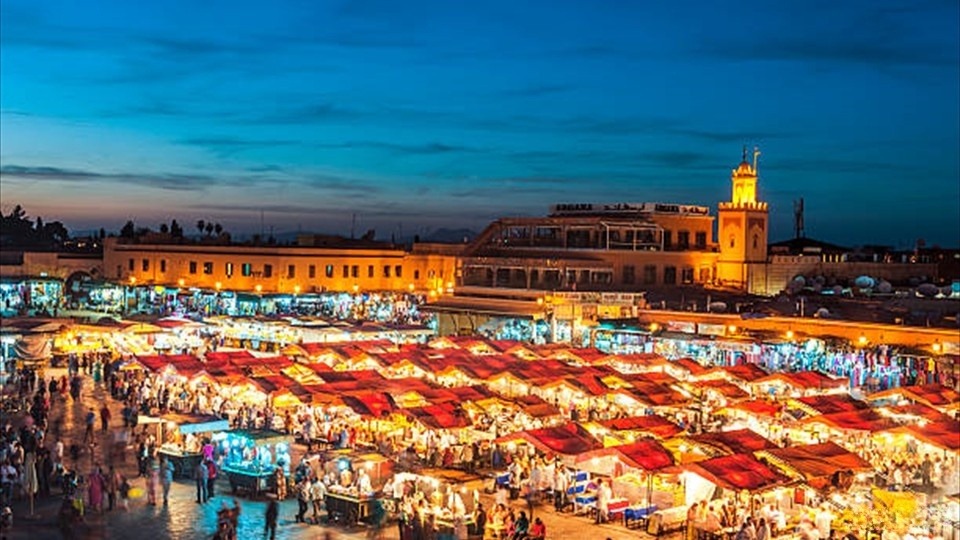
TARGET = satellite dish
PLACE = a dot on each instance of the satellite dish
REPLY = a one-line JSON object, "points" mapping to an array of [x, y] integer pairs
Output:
{"points": [[928, 290], [885, 287], [717, 306], [822, 313], [864, 282]]}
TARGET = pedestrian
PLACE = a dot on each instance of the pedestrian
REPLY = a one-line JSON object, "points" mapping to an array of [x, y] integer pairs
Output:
{"points": [[104, 418], [166, 470], [95, 489], [318, 493], [270, 525], [153, 482], [212, 471], [303, 498], [124, 493], [201, 475], [112, 485], [91, 419], [281, 481]]}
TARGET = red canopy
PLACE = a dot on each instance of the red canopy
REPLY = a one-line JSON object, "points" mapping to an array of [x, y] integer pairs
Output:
{"points": [[759, 407], [835, 403], [442, 416], [745, 372], [569, 439], [944, 434], [646, 454], [652, 424], [375, 404], [859, 420], [740, 441], [738, 472]]}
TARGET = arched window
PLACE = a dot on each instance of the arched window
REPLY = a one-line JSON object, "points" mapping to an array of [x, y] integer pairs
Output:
{"points": [[732, 241], [756, 241]]}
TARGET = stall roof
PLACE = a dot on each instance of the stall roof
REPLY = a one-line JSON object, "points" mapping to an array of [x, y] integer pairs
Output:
{"points": [[442, 416], [804, 379], [759, 407], [692, 366], [648, 455], [723, 387], [261, 436], [375, 404], [817, 463], [934, 395], [944, 434], [197, 423], [653, 424], [738, 472], [858, 420], [746, 372], [569, 439], [830, 404], [740, 441]]}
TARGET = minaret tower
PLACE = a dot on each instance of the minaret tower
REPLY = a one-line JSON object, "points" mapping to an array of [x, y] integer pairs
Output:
{"points": [[742, 231]]}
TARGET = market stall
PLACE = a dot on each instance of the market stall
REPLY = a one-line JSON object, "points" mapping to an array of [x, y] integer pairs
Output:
{"points": [[353, 480], [251, 457], [183, 436]]}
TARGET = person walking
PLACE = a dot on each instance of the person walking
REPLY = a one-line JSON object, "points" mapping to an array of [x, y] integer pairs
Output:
{"points": [[88, 434], [166, 471], [303, 498], [201, 474], [104, 418], [212, 471], [153, 481], [270, 525]]}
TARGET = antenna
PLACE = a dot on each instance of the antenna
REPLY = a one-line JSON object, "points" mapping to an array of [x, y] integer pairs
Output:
{"points": [[756, 156], [798, 218]]}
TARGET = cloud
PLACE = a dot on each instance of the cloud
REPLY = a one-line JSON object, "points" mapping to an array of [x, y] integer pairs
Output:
{"points": [[165, 181], [425, 149]]}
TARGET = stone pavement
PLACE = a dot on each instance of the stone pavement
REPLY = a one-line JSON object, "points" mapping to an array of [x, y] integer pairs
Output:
{"points": [[184, 519]]}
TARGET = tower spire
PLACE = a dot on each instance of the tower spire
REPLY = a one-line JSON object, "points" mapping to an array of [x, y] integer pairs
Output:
{"points": [[756, 155]]}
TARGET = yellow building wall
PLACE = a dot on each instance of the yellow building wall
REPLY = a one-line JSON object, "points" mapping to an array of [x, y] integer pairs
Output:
{"points": [[276, 269]]}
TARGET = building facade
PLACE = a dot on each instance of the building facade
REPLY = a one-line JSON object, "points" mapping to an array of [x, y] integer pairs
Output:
{"points": [[279, 269]]}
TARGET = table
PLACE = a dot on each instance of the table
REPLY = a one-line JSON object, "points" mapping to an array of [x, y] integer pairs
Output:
{"points": [[347, 509], [184, 463], [253, 482]]}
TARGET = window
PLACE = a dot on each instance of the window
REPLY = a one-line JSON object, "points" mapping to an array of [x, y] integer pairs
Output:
{"points": [[145, 265], [246, 269], [732, 241], [629, 274], [416, 274], [208, 268], [228, 269], [312, 271], [431, 273], [398, 270], [649, 274], [291, 271], [268, 270], [130, 265], [346, 271], [670, 275], [701, 240], [355, 270], [163, 266], [704, 275], [756, 241], [386, 271], [328, 271], [193, 267], [683, 239], [687, 276], [667, 239], [369, 270]]}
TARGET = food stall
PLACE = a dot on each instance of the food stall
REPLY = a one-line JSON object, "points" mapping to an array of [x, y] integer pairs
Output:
{"points": [[251, 457], [353, 481], [183, 436], [445, 497]]}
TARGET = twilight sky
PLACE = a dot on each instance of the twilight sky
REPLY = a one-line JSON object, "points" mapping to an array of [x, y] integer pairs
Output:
{"points": [[427, 114]]}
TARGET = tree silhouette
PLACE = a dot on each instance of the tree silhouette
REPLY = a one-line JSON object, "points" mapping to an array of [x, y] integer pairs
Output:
{"points": [[200, 225], [129, 230], [209, 228], [103, 233], [176, 230], [164, 229], [218, 228]]}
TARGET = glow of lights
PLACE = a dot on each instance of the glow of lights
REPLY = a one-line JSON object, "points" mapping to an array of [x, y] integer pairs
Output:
{"points": [[862, 340], [259, 288], [410, 287], [218, 285], [539, 301], [732, 329], [654, 327], [936, 347], [133, 280], [296, 289], [789, 334], [356, 288], [180, 282]]}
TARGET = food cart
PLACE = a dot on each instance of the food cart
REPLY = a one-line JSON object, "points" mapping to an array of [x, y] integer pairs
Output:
{"points": [[251, 457], [354, 480], [183, 436]]}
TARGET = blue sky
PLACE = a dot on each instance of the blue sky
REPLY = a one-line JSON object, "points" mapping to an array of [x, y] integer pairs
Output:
{"points": [[419, 115]]}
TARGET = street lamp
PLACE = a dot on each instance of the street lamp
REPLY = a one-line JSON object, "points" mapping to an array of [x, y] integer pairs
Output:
{"points": [[181, 282], [789, 334], [862, 340]]}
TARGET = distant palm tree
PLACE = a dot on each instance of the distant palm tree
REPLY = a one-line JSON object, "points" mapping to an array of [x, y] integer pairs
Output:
{"points": [[200, 225], [218, 228], [209, 228]]}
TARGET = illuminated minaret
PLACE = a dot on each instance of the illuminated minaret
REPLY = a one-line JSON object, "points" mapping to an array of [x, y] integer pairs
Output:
{"points": [[742, 233]]}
